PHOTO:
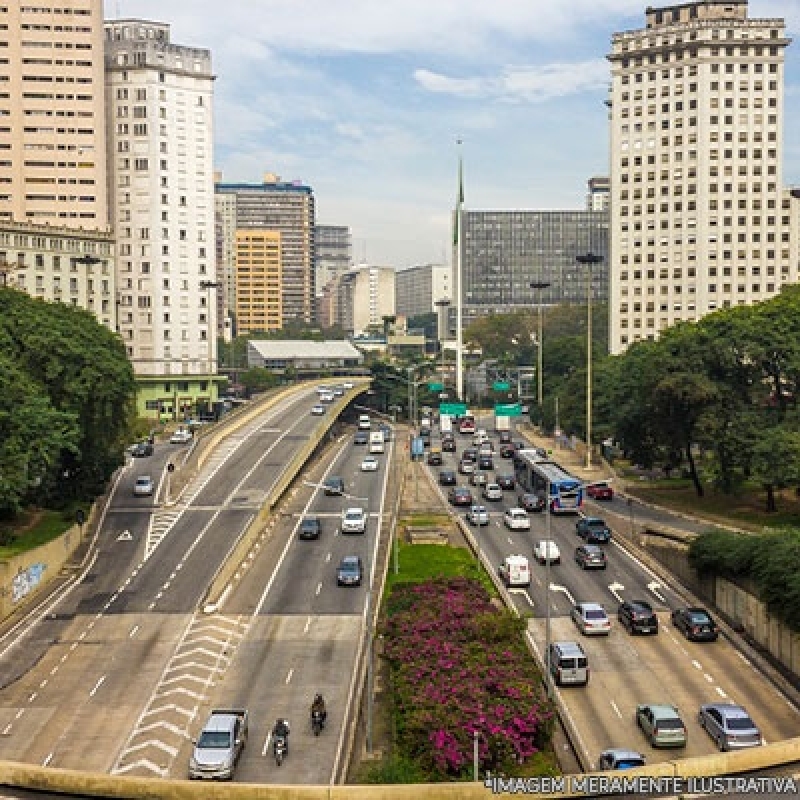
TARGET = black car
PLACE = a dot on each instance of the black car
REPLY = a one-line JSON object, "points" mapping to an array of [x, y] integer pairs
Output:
{"points": [[448, 445], [590, 556], [459, 496], [447, 478], [594, 530], [485, 462], [637, 616], [350, 571], [362, 437], [507, 451], [505, 482], [531, 502], [334, 487], [696, 624], [470, 454], [142, 450], [435, 457], [505, 437], [310, 528]]}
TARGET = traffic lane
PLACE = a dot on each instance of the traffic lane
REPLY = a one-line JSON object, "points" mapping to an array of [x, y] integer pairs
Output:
{"points": [[277, 670], [647, 514]]}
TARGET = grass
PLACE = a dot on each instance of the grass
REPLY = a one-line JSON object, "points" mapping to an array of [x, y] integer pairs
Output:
{"points": [[34, 528]]}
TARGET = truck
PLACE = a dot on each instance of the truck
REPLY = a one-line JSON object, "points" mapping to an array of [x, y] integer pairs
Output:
{"points": [[445, 423], [376, 442], [502, 423], [217, 749]]}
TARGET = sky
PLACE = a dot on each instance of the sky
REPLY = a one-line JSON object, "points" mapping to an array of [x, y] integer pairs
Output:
{"points": [[372, 102]]}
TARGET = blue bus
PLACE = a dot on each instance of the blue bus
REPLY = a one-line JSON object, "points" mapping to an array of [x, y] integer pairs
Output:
{"points": [[534, 473]]}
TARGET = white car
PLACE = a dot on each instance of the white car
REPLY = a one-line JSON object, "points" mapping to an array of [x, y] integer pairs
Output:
{"points": [[591, 619], [181, 436], [354, 520], [478, 515], [347, 385], [143, 486], [517, 519], [515, 571], [492, 492], [547, 550], [369, 464], [317, 411]]}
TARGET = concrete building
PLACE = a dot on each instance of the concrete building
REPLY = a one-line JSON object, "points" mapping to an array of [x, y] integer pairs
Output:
{"points": [[696, 116], [159, 106], [503, 252], [284, 208], [419, 288], [59, 264], [281, 354], [333, 254], [599, 195], [366, 295], [52, 138], [258, 281]]}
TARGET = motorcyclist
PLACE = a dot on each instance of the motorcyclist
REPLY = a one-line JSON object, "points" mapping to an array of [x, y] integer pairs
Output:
{"points": [[281, 730], [318, 707]]}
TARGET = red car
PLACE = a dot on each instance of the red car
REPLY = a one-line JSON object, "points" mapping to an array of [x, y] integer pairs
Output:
{"points": [[600, 491]]}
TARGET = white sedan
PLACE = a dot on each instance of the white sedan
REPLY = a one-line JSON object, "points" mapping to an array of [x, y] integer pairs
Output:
{"points": [[317, 411], [369, 464], [181, 436], [517, 519]]}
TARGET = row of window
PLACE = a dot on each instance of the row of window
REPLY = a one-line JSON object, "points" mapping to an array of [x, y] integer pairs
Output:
{"points": [[714, 86], [691, 273], [691, 205], [680, 54], [678, 72]]}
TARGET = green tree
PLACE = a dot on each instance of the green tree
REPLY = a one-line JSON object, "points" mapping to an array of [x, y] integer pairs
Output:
{"points": [[776, 461]]}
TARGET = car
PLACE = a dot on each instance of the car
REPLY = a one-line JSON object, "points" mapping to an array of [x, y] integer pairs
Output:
{"points": [[729, 726], [594, 530], [448, 445], [459, 496], [696, 624], [142, 450], [547, 550], [485, 462], [317, 411], [486, 448], [478, 478], [505, 437], [507, 451], [517, 519], [181, 436], [338, 391], [361, 438], [466, 467], [590, 556], [505, 482], [515, 571], [600, 491], [334, 486], [661, 724], [637, 616], [369, 464], [469, 454], [364, 423], [591, 619], [143, 487], [310, 528], [492, 492], [531, 502], [478, 515], [350, 571], [618, 758], [435, 457], [347, 385], [354, 520], [447, 477]]}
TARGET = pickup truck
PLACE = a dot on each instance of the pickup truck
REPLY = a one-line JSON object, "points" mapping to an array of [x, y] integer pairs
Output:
{"points": [[219, 745]]}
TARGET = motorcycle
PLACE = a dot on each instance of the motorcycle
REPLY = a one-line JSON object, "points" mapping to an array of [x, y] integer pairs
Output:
{"points": [[279, 748], [317, 722]]}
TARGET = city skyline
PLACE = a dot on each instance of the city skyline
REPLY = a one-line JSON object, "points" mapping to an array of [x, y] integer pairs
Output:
{"points": [[366, 106]]}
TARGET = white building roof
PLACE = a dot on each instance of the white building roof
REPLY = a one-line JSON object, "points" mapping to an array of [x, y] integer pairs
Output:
{"points": [[302, 349]]}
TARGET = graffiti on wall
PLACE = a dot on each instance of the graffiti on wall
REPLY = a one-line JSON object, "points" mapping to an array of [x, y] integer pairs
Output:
{"points": [[26, 581]]}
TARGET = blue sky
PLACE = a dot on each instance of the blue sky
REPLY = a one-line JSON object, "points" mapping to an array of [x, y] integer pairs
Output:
{"points": [[364, 100]]}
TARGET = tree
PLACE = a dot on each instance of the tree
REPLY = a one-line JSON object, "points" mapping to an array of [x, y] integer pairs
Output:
{"points": [[776, 461]]}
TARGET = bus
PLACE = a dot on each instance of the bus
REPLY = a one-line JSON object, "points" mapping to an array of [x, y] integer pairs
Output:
{"points": [[534, 474]]}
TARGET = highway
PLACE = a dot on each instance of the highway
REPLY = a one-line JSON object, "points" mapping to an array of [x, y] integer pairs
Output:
{"points": [[625, 670]]}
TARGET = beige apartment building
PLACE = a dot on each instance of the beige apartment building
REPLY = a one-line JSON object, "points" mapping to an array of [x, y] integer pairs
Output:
{"points": [[52, 123], [258, 281], [365, 296], [699, 220]]}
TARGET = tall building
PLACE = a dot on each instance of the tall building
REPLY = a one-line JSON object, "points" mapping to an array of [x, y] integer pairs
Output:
{"points": [[599, 195], [696, 114], [286, 208], [258, 281], [52, 137], [333, 254], [365, 297], [419, 288], [159, 108], [503, 252]]}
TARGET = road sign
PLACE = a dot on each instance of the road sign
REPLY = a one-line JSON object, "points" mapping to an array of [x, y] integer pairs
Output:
{"points": [[453, 409], [436, 387], [508, 410], [501, 386]]}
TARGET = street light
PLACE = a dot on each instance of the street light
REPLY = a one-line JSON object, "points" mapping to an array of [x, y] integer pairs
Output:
{"points": [[442, 305], [540, 285], [589, 260]]}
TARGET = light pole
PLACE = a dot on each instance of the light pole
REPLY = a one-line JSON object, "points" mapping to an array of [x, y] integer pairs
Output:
{"points": [[548, 674], [540, 286], [442, 319], [589, 260]]}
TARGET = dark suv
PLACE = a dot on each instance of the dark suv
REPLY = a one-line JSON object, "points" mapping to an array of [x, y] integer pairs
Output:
{"points": [[447, 477], [459, 496], [142, 450], [590, 556], [334, 487], [310, 528], [637, 616], [594, 530]]}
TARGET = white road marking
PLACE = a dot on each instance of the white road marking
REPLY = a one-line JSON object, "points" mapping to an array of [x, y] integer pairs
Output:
{"points": [[697, 665], [99, 683], [319, 588], [47, 760], [708, 678], [134, 629], [615, 589], [265, 748], [328, 558], [654, 586], [289, 676], [720, 692], [308, 625], [7, 729], [19, 713], [523, 592], [32, 697], [43, 684], [743, 657], [616, 709]]}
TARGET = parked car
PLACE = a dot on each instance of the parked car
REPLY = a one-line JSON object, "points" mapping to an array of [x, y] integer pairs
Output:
{"points": [[350, 571], [181, 436], [531, 502], [729, 726], [466, 467], [547, 550], [492, 492], [369, 464], [600, 491], [143, 487], [334, 486], [459, 496], [618, 758], [361, 437], [590, 556], [478, 515], [310, 528], [594, 530], [637, 616], [517, 519], [354, 520], [591, 619], [505, 482], [479, 478], [317, 411], [696, 624], [142, 450], [661, 724], [447, 477]]}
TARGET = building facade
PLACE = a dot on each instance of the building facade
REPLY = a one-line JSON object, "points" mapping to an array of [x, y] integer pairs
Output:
{"points": [[420, 288], [258, 281], [365, 297], [697, 218], [598, 197], [333, 254], [503, 252], [286, 208], [52, 137], [159, 110]]}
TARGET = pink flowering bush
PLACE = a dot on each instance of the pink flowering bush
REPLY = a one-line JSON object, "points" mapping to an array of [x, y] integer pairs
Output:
{"points": [[459, 665]]}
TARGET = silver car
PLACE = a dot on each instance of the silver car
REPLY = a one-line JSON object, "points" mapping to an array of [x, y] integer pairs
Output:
{"points": [[478, 515], [143, 486], [591, 619], [729, 726], [492, 492]]}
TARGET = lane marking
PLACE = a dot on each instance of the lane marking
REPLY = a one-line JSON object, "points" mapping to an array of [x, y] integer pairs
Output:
{"points": [[289, 676], [308, 625], [99, 683], [616, 709], [7, 729], [265, 748], [720, 692], [134, 629], [319, 588], [697, 665], [47, 760], [708, 677], [328, 558], [20, 713]]}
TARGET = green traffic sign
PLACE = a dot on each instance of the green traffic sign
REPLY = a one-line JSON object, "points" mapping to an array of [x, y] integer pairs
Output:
{"points": [[501, 386], [508, 410], [436, 387], [453, 409]]}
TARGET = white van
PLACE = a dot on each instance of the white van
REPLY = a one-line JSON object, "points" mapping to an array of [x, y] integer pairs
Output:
{"points": [[376, 442], [568, 663], [363, 422], [515, 571]]}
